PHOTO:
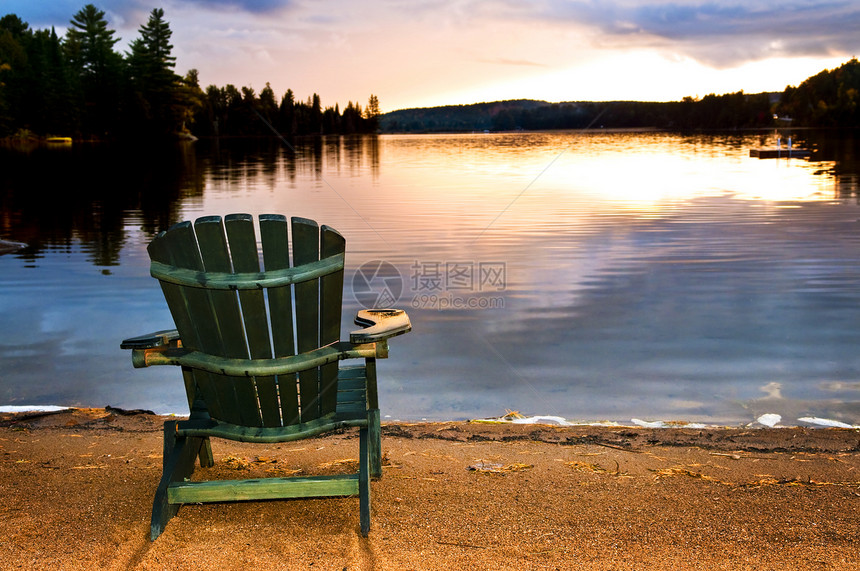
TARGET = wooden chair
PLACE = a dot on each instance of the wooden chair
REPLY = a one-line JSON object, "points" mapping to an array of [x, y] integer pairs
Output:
{"points": [[249, 374]]}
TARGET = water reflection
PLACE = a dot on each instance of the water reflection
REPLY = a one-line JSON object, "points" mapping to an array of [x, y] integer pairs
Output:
{"points": [[82, 196], [56, 197], [86, 197], [644, 273]]}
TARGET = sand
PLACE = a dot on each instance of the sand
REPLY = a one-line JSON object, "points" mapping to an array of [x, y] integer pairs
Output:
{"points": [[77, 490]]}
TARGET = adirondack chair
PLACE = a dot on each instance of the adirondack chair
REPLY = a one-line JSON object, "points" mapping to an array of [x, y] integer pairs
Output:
{"points": [[249, 374]]}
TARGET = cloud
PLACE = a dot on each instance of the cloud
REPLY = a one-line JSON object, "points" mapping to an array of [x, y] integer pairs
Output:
{"points": [[424, 52], [720, 33], [251, 6]]}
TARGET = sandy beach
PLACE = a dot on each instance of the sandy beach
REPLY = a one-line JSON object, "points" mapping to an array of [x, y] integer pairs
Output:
{"points": [[77, 489]]}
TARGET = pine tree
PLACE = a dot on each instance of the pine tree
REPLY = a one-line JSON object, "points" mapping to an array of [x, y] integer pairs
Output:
{"points": [[159, 107], [48, 105], [371, 114], [96, 69], [197, 112], [315, 122], [268, 106], [14, 33], [287, 114]]}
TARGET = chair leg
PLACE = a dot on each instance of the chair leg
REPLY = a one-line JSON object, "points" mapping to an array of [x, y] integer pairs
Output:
{"points": [[178, 464], [375, 431], [205, 455], [199, 412], [364, 481]]}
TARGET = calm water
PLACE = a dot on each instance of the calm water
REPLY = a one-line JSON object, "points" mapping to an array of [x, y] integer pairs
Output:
{"points": [[590, 276]]}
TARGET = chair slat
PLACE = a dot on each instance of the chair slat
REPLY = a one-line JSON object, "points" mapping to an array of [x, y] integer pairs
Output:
{"points": [[216, 258], [159, 251], [236, 324], [235, 317], [352, 410], [347, 385], [351, 391], [243, 250], [352, 372], [230, 329], [276, 256], [306, 241], [176, 303], [357, 395], [191, 308], [331, 301]]}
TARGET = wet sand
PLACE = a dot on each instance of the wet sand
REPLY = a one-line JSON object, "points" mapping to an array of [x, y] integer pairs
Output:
{"points": [[77, 489]]}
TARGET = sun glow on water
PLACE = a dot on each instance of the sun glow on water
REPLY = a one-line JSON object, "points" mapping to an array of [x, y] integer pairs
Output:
{"points": [[711, 272]]}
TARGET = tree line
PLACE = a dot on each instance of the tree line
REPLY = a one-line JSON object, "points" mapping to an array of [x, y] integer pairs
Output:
{"points": [[730, 111], [828, 99], [241, 112], [79, 85], [831, 98]]}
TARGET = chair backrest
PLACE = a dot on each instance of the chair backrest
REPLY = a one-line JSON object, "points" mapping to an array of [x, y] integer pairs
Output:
{"points": [[226, 303]]}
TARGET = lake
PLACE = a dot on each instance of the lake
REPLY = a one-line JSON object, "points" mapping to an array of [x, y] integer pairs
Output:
{"points": [[592, 276]]}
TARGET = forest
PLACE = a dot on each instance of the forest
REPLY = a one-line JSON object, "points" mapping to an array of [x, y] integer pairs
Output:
{"points": [[828, 99], [80, 86]]}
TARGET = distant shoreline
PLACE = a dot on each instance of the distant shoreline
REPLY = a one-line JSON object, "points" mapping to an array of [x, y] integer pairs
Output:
{"points": [[32, 142]]}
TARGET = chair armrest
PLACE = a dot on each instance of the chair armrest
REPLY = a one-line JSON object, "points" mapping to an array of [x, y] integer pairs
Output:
{"points": [[168, 355], [379, 324], [151, 340]]}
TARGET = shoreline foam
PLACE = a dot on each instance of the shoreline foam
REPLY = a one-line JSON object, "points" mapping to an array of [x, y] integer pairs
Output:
{"points": [[768, 420]]}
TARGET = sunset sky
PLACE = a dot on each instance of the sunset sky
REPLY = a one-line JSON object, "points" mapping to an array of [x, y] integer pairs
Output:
{"points": [[421, 53]]}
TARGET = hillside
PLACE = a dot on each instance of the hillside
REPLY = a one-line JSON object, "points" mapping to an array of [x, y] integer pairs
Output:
{"points": [[724, 111], [830, 98]]}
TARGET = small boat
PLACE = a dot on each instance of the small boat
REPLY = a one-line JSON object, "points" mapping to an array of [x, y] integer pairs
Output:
{"points": [[59, 140]]}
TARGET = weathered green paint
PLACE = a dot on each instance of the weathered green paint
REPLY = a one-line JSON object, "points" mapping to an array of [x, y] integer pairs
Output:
{"points": [[243, 250], [249, 374], [178, 459], [363, 482], [255, 367], [332, 244], [252, 280], [230, 331], [261, 434], [262, 489], [276, 256], [190, 308], [375, 435], [306, 245]]}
